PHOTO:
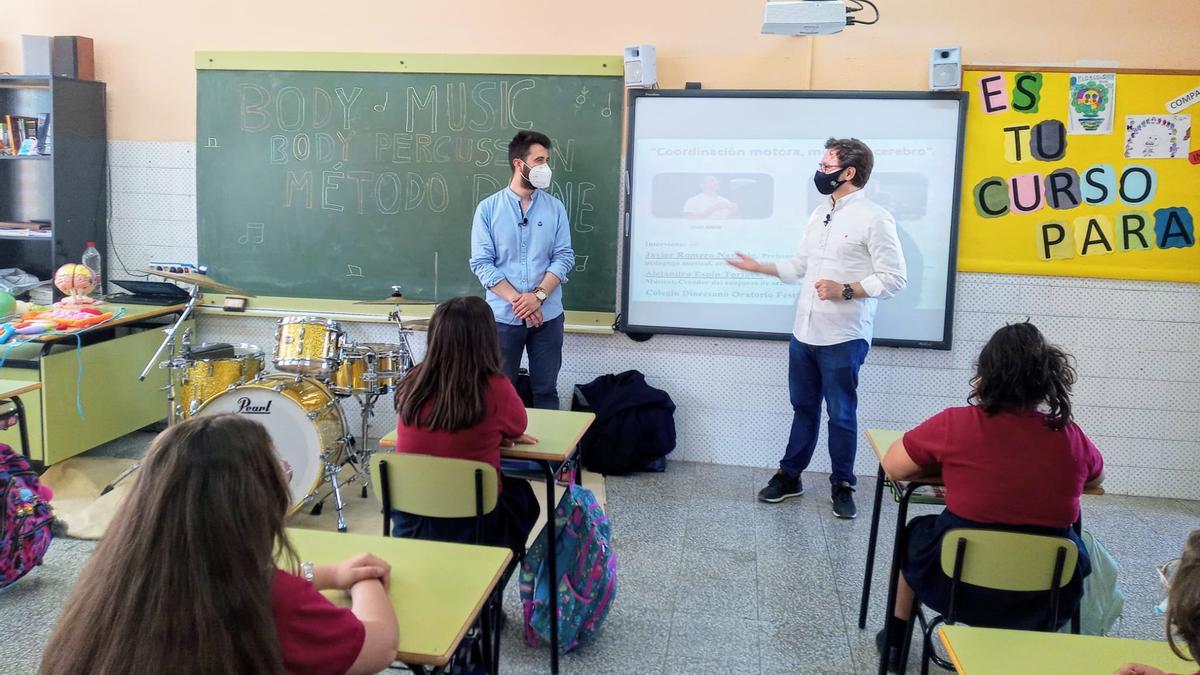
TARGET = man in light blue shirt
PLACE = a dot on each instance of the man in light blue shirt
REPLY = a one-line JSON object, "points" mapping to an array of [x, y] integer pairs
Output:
{"points": [[521, 252]]}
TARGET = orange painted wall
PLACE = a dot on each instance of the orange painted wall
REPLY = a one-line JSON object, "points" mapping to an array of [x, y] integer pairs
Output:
{"points": [[144, 48]]}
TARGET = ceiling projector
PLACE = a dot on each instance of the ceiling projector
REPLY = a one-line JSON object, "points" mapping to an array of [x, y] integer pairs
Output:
{"points": [[805, 17]]}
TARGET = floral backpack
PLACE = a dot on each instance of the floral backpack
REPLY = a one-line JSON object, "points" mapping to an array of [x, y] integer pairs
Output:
{"points": [[25, 517], [587, 573]]}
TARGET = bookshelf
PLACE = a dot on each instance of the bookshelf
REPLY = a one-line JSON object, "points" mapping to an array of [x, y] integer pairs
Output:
{"points": [[65, 190]]}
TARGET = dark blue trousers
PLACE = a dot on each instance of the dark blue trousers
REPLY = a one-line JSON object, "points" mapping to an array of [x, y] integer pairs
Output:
{"points": [[828, 372], [544, 345]]}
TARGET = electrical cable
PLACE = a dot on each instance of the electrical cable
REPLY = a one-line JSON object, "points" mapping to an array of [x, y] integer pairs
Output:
{"points": [[108, 225], [853, 21]]}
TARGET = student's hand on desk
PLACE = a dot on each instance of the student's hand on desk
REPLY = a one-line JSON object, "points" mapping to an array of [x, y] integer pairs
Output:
{"points": [[1138, 669], [523, 439], [361, 568]]}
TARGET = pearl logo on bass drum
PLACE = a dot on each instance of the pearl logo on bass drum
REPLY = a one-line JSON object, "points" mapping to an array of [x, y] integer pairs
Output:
{"points": [[247, 407]]}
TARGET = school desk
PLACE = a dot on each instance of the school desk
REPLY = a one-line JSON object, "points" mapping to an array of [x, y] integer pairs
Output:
{"points": [[11, 390], [558, 433], [992, 651], [101, 365], [927, 490], [437, 589]]}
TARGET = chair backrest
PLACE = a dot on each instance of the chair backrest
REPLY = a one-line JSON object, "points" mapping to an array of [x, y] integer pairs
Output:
{"points": [[435, 487], [1008, 561]]}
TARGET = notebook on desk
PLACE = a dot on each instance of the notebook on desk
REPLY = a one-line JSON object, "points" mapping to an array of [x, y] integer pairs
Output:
{"points": [[148, 293]]}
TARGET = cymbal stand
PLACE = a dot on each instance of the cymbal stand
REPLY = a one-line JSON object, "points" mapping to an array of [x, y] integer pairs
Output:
{"points": [[361, 456], [168, 343]]}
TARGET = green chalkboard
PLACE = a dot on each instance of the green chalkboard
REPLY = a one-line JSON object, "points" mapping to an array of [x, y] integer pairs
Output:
{"points": [[341, 184]]}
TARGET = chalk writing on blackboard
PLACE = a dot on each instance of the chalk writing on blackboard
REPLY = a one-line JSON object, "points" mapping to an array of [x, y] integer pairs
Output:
{"points": [[255, 232]]}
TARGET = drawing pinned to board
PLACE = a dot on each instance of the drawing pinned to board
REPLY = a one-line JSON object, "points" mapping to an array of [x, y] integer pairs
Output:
{"points": [[1093, 98], [1157, 136]]}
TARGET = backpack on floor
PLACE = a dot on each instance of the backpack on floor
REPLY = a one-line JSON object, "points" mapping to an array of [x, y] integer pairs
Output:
{"points": [[634, 428], [1103, 602], [25, 517], [587, 573]]}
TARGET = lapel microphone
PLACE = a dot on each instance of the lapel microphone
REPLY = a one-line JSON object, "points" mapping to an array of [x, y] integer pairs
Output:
{"points": [[828, 216]]}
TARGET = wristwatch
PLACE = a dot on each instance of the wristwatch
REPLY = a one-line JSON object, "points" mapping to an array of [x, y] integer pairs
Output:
{"points": [[306, 568], [847, 292], [540, 294]]}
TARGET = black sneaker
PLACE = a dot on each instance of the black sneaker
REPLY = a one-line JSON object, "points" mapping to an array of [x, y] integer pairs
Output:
{"points": [[893, 660], [781, 487], [843, 501]]}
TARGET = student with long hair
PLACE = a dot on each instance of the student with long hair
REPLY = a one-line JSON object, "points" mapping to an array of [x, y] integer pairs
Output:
{"points": [[458, 403], [197, 576], [1012, 460], [1183, 611]]}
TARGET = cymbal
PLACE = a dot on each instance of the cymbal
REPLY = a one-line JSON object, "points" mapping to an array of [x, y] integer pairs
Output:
{"points": [[395, 300], [202, 280]]}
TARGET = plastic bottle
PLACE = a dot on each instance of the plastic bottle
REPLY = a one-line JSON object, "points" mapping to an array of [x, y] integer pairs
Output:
{"points": [[91, 260]]}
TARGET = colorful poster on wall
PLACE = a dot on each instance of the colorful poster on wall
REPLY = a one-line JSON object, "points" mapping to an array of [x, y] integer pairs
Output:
{"points": [[1093, 96], [1038, 200], [1157, 136]]}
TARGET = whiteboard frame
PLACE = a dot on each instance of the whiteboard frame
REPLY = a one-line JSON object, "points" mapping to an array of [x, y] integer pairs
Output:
{"points": [[640, 331]]}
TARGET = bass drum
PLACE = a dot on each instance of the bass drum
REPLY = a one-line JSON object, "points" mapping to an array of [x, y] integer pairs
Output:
{"points": [[303, 418]]}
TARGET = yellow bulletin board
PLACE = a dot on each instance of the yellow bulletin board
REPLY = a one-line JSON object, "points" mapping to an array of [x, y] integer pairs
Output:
{"points": [[1081, 173]]}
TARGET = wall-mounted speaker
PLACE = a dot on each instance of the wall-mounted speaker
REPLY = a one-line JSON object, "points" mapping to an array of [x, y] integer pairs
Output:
{"points": [[641, 69], [945, 68]]}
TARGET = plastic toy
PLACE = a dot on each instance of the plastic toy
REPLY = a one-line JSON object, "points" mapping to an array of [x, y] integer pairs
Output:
{"points": [[37, 322], [76, 281]]}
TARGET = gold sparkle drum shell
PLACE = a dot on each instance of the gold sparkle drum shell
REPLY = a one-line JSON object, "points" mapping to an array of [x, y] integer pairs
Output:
{"points": [[307, 345], [303, 418]]}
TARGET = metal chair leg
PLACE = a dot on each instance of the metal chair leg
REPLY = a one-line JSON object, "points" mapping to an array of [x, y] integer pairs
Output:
{"points": [[551, 561], [894, 574], [927, 644], [872, 542]]}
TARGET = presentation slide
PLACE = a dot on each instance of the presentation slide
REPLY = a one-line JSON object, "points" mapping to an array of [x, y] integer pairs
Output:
{"points": [[714, 174]]}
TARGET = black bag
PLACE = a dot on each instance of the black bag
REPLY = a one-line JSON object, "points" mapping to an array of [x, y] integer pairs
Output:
{"points": [[524, 387], [634, 428]]}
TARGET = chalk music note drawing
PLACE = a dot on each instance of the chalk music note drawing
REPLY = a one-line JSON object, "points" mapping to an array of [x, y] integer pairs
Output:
{"points": [[255, 232]]}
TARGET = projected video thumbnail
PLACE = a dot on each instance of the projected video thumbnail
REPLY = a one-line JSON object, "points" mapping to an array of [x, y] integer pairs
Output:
{"points": [[714, 196]]}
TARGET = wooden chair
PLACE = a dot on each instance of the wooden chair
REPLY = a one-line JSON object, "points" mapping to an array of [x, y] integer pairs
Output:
{"points": [[1004, 561], [443, 487]]}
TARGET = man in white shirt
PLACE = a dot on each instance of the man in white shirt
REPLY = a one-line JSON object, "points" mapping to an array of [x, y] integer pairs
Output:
{"points": [[849, 258], [709, 204]]}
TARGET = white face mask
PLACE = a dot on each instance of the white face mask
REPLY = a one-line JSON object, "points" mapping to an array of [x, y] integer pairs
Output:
{"points": [[539, 176]]}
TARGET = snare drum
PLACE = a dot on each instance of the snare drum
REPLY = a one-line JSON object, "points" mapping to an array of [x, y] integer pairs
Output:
{"points": [[304, 420], [307, 345], [202, 379], [368, 368]]}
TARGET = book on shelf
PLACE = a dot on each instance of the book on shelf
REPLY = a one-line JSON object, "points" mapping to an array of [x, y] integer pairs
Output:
{"points": [[35, 229], [43, 142], [20, 128]]}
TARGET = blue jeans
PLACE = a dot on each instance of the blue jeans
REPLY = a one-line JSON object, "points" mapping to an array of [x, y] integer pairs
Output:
{"points": [[829, 372], [544, 345]]}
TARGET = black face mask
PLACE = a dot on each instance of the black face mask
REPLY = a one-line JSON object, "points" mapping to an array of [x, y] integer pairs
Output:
{"points": [[827, 183]]}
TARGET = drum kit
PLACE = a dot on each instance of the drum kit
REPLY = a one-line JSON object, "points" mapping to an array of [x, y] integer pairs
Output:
{"points": [[317, 369]]}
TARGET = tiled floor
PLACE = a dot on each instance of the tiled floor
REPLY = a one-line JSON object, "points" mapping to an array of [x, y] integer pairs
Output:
{"points": [[710, 580]]}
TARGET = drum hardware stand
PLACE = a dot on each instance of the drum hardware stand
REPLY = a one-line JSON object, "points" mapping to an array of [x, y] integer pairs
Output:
{"points": [[331, 471], [168, 343]]}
